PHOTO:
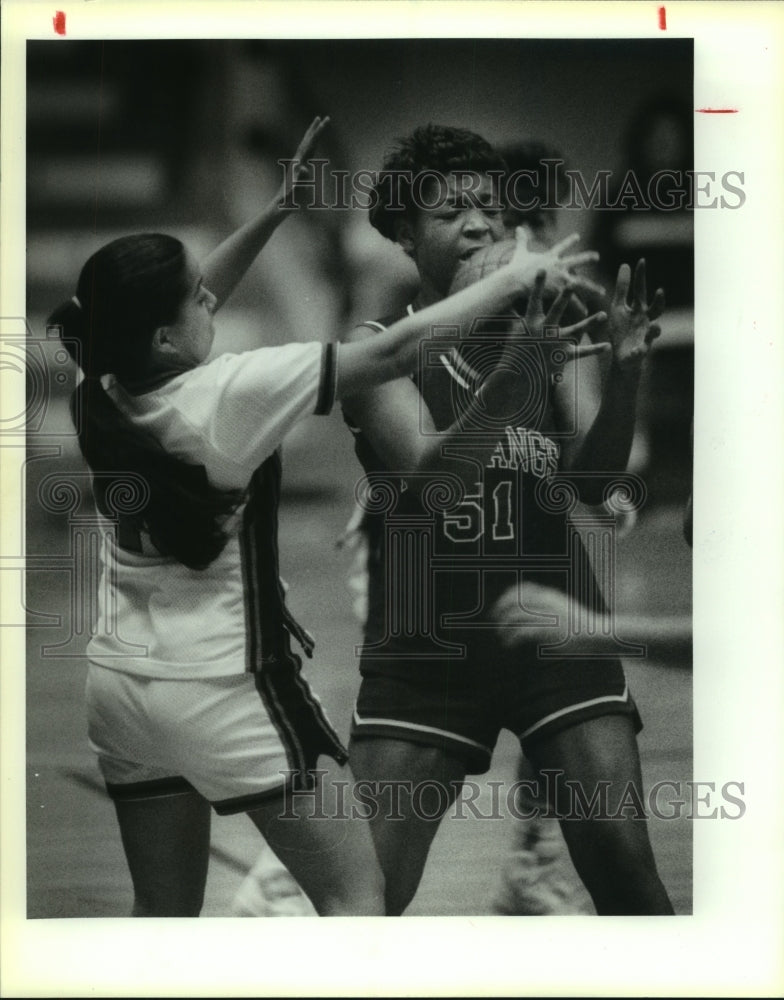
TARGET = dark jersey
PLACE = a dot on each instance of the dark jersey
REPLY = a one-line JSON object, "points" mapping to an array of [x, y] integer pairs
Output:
{"points": [[438, 561]]}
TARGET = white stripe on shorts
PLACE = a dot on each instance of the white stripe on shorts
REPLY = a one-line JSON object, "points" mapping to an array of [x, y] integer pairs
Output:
{"points": [[576, 708], [417, 727]]}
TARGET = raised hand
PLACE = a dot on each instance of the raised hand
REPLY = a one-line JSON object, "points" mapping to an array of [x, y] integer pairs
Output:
{"points": [[227, 264], [298, 165], [558, 264], [631, 328], [560, 344]]}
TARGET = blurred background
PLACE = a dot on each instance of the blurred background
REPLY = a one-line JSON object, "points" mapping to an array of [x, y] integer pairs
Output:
{"points": [[184, 137]]}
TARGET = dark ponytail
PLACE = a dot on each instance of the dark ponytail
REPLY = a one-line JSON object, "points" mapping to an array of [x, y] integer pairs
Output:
{"points": [[125, 291]]}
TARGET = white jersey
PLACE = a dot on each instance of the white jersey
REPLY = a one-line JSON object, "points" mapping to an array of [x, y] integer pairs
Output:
{"points": [[229, 416]]}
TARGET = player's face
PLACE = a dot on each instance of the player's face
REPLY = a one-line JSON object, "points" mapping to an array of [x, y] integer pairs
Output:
{"points": [[193, 332], [466, 216]]}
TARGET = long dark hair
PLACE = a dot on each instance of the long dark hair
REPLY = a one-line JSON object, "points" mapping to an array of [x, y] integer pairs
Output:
{"points": [[125, 291]]}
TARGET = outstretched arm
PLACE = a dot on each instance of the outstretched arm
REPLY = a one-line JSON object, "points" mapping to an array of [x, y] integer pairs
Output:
{"points": [[228, 263], [606, 443], [394, 416], [395, 352]]}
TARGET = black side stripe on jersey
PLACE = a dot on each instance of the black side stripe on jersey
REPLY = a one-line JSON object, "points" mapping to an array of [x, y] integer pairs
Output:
{"points": [[273, 598], [264, 605], [264, 625], [328, 383], [301, 725], [301, 635], [250, 577], [295, 752], [298, 718]]}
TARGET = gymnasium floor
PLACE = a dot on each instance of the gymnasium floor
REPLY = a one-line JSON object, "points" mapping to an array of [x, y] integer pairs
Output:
{"points": [[75, 866]]}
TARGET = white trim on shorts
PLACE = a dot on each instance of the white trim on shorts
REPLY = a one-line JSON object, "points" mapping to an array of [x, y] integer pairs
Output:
{"points": [[418, 727], [578, 707]]}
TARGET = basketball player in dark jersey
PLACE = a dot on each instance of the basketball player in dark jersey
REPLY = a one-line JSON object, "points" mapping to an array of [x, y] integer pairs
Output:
{"points": [[463, 463]]}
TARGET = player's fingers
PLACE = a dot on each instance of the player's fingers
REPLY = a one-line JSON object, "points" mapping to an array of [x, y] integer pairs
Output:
{"points": [[564, 244], [320, 125], [656, 307], [308, 136], [534, 308], [315, 129], [587, 285], [585, 325], [622, 284], [654, 331], [640, 284], [578, 304], [586, 350], [583, 257], [558, 308]]}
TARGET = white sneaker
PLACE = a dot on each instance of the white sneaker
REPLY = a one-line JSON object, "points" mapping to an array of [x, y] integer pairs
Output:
{"points": [[270, 890], [538, 878]]}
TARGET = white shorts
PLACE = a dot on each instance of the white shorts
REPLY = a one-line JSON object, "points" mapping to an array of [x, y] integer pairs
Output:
{"points": [[237, 740]]}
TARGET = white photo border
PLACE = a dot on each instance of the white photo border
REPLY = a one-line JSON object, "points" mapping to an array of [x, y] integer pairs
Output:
{"points": [[732, 942]]}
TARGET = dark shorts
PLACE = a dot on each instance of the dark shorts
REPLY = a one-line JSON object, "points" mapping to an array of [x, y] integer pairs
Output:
{"points": [[462, 708]]}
